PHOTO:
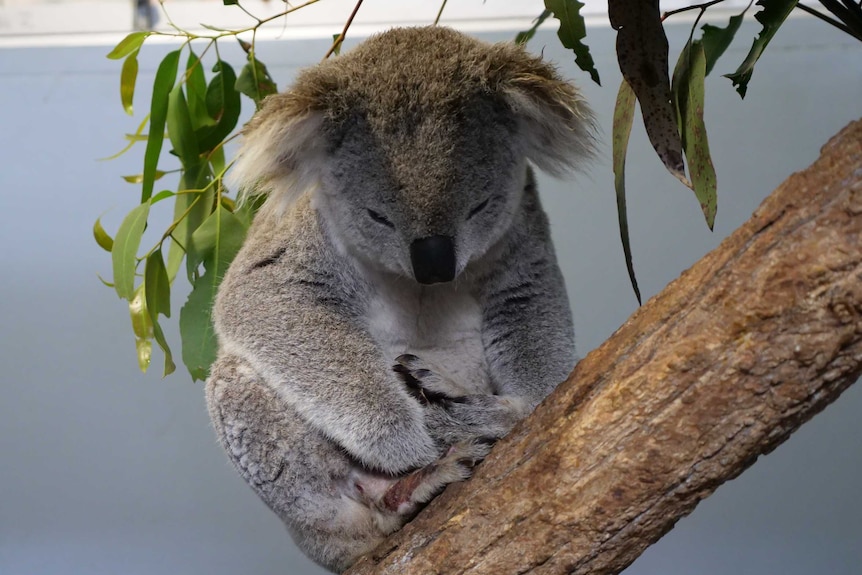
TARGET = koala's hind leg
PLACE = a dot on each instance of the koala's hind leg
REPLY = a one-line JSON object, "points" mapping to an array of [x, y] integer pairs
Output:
{"points": [[334, 508]]}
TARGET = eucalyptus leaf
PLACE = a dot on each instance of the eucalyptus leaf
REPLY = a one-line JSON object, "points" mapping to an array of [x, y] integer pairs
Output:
{"points": [[254, 81], [223, 104], [138, 178], [773, 15], [642, 52], [142, 326], [180, 128], [158, 287], [526, 35], [216, 241], [624, 112], [196, 89], [716, 40], [128, 77], [700, 165], [162, 86], [124, 254], [102, 238], [159, 336], [572, 31], [131, 43]]}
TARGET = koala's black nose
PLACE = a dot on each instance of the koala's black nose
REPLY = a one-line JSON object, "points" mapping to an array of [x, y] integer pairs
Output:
{"points": [[433, 259]]}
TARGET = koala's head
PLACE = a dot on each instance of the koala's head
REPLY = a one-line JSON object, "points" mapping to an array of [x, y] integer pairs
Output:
{"points": [[415, 146]]}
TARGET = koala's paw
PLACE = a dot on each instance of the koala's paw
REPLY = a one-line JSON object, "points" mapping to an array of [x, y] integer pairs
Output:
{"points": [[408, 493], [427, 383]]}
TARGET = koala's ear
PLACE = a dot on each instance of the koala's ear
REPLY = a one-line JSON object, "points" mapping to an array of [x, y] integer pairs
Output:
{"points": [[555, 122], [282, 151]]}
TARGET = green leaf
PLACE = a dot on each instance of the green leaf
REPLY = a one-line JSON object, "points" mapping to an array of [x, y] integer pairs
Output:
{"points": [[624, 112], [196, 89], [102, 238], [771, 17], [572, 31], [138, 178], [336, 48], [700, 166], [223, 104], [642, 53], [180, 128], [132, 138], [127, 45], [230, 2], [254, 81], [170, 366], [217, 241], [163, 195], [190, 210], [716, 40], [162, 86], [128, 77], [526, 35], [142, 326], [124, 254], [158, 289]]}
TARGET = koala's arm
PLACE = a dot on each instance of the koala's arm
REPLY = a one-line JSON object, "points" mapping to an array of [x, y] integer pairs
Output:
{"points": [[527, 329], [294, 325]]}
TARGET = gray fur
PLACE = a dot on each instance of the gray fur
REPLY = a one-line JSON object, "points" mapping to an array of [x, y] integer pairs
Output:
{"points": [[346, 393]]}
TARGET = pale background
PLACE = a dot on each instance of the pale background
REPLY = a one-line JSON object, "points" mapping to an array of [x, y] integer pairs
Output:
{"points": [[107, 471]]}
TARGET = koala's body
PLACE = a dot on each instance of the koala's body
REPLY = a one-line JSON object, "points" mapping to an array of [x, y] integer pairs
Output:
{"points": [[397, 305]]}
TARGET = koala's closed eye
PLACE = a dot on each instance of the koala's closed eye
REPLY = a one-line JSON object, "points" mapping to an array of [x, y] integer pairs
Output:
{"points": [[380, 219], [478, 208]]}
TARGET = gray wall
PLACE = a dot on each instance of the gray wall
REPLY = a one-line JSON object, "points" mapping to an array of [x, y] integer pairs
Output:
{"points": [[105, 470]]}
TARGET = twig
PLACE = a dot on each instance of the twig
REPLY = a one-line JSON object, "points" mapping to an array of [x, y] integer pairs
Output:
{"points": [[440, 12], [825, 18], [700, 7], [343, 34]]}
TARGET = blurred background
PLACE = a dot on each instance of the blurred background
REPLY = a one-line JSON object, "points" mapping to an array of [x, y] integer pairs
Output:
{"points": [[106, 470]]}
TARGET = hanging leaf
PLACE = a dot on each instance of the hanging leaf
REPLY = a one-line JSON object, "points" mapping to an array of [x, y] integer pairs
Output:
{"points": [[337, 41], [223, 104], [696, 142], [132, 138], [129, 44], [219, 239], [180, 128], [128, 77], [142, 327], [102, 238], [572, 31], [162, 86], [624, 112], [254, 81], [526, 35], [158, 288], [642, 53], [716, 40], [196, 89], [773, 15], [159, 335], [124, 254]]}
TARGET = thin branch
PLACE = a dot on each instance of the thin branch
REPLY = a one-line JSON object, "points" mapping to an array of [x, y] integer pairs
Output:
{"points": [[825, 18], [440, 12], [343, 34], [700, 7]]}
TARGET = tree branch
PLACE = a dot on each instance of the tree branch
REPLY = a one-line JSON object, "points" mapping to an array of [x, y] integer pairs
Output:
{"points": [[720, 367]]}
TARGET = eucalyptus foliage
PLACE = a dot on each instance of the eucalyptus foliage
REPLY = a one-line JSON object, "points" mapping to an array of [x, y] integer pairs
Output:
{"points": [[198, 106]]}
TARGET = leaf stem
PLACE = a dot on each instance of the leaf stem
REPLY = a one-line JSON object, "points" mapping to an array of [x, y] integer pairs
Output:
{"points": [[343, 34], [440, 12], [701, 7]]}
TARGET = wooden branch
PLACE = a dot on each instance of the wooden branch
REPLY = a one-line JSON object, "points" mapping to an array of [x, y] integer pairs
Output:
{"points": [[717, 369]]}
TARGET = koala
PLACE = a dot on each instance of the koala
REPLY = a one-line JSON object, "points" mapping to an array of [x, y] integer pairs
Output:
{"points": [[397, 306]]}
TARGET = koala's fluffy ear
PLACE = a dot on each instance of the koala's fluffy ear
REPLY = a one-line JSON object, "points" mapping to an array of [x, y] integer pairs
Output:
{"points": [[283, 149], [556, 123]]}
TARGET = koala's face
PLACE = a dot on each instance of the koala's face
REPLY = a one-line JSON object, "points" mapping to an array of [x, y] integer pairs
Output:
{"points": [[422, 195]]}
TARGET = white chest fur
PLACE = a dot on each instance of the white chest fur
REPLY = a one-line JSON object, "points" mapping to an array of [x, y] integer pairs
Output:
{"points": [[439, 323]]}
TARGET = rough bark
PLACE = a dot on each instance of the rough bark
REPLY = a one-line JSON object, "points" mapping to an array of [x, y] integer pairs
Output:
{"points": [[720, 367]]}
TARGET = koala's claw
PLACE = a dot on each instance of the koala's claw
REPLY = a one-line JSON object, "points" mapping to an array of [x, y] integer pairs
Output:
{"points": [[426, 385]]}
